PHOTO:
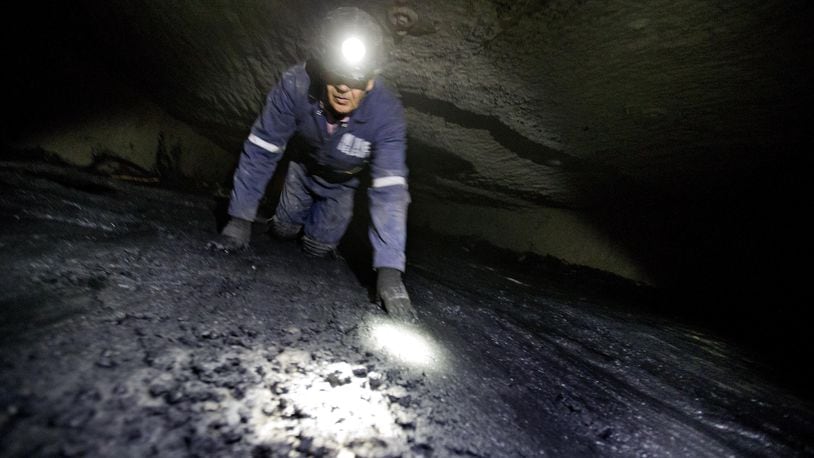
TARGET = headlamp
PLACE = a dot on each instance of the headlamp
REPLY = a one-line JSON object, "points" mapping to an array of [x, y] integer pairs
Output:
{"points": [[350, 45], [353, 50]]}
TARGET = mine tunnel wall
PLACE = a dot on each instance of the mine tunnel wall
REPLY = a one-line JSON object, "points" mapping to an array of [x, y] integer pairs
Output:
{"points": [[661, 143]]}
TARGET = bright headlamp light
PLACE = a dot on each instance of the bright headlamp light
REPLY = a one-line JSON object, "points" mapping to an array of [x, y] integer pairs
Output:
{"points": [[353, 50]]}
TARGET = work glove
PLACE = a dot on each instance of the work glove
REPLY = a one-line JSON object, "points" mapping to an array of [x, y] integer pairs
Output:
{"points": [[234, 236], [393, 295]]}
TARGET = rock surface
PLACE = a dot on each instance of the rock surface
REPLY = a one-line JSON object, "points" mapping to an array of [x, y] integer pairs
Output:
{"points": [[122, 336]]}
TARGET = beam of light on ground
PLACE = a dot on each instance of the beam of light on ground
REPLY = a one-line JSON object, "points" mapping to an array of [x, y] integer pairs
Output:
{"points": [[340, 413], [406, 343]]}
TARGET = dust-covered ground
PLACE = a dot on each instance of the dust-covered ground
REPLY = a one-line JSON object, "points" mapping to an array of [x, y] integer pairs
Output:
{"points": [[122, 336]]}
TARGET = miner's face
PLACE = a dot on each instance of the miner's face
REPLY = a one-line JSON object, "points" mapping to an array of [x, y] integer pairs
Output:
{"points": [[346, 97]]}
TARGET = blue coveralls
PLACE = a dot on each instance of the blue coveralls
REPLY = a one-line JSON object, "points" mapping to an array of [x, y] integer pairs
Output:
{"points": [[318, 191]]}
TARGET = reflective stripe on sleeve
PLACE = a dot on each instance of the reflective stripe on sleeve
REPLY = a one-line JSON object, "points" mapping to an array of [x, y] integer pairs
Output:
{"points": [[389, 181], [263, 144]]}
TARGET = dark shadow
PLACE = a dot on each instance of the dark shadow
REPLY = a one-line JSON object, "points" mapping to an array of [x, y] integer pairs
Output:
{"points": [[355, 246], [728, 259], [221, 213]]}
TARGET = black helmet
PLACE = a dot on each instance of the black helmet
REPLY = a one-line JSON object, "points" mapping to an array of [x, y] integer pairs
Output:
{"points": [[350, 45]]}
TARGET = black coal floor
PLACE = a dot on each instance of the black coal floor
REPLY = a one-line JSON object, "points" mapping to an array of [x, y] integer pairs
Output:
{"points": [[122, 336]]}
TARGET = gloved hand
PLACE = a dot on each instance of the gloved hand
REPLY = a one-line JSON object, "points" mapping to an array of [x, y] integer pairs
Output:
{"points": [[393, 295], [234, 236]]}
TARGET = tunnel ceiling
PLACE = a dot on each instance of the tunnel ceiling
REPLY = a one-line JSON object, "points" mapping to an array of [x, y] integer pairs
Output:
{"points": [[533, 101], [538, 101]]}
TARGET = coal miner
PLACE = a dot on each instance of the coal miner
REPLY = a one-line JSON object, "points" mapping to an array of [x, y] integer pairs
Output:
{"points": [[355, 131]]}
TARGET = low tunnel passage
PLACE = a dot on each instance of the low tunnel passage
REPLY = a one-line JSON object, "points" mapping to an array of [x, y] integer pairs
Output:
{"points": [[605, 225]]}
